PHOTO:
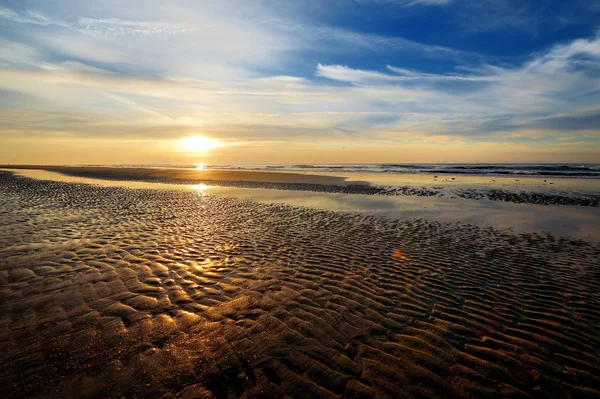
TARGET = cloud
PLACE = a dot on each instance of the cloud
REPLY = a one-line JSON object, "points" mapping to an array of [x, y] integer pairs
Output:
{"points": [[344, 73], [200, 40], [28, 17], [586, 120], [545, 93], [224, 71], [15, 53], [408, 2], [118, 27], [334, 39], [406, 75], [560, 80], [218, 33]]}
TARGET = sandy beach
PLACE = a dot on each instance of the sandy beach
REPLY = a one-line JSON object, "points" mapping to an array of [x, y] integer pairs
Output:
{"points": [[359, 199], [119, 292], [559, 191]]}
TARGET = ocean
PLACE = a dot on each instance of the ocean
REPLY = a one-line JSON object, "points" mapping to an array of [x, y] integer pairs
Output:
{"points": [[556, 170], [499, 169]]}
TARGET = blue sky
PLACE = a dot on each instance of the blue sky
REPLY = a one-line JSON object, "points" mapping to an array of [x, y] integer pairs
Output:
{"points": [[305, 80]]}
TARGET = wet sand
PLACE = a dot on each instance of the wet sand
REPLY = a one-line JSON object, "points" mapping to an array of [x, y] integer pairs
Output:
{"points": [[570, 221], [577, 192], [188, 176], [114, 292]]}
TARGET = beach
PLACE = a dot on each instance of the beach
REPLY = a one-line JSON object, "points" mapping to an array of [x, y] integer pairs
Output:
{"points": [[515, 189], [117, 290]]}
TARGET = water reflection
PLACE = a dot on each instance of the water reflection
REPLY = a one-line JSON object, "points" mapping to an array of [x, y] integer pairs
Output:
{"points": [[201, 188], [573, 221]]}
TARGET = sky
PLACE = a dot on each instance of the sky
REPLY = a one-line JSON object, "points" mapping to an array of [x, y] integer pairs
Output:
{"points": [[299, 81]]}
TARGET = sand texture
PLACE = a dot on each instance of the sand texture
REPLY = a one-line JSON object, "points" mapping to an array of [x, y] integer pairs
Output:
{"points": [[112, 292]]}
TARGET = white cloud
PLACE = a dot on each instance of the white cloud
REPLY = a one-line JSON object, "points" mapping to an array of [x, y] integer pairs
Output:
{"points": [[344, 73], [197, 40], [502, 100], [249, 34], [334, 39], [374, 104], [406, 74], [171, 69]]}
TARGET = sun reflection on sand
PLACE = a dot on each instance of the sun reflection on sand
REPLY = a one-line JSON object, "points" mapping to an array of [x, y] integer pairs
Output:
{"points": [[201, 188]]}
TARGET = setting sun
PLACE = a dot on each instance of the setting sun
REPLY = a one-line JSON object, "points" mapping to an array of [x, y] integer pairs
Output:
{"points": [[197, 144]]}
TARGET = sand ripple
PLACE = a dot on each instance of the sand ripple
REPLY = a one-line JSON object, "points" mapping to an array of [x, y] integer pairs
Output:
{"points": [[109, 292]]}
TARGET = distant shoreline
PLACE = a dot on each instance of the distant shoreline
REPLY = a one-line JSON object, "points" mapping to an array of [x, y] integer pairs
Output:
{"points": [[510, 170]]}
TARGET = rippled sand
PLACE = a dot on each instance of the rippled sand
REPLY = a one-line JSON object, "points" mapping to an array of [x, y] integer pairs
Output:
{"points": [[111, 292]]}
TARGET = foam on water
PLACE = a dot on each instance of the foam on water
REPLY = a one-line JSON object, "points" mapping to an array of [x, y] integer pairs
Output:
{"points": [[503, 169], [553, 170]]}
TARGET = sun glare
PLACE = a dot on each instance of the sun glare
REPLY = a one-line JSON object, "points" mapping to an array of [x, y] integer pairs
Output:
{"points": [[197, 144], [200, 188]]}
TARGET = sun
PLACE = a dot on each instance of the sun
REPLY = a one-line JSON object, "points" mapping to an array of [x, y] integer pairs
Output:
{"points": [[197, 144]]}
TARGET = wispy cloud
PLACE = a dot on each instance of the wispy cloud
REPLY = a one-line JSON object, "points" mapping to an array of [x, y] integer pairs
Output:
{"points": [[231, 72], [548, 83], [558, 81], [228, 35], [12, 53], [402, 102], [344, 73], [334, 39], [408, 2], [28, 17], [119, 27]]}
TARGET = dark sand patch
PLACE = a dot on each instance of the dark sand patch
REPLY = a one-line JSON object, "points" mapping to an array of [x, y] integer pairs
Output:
{"points": [[189, 176], [113, 292]]}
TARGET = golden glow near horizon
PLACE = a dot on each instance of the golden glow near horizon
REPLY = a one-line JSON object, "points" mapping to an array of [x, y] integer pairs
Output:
{"points": [[197, 144]]}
